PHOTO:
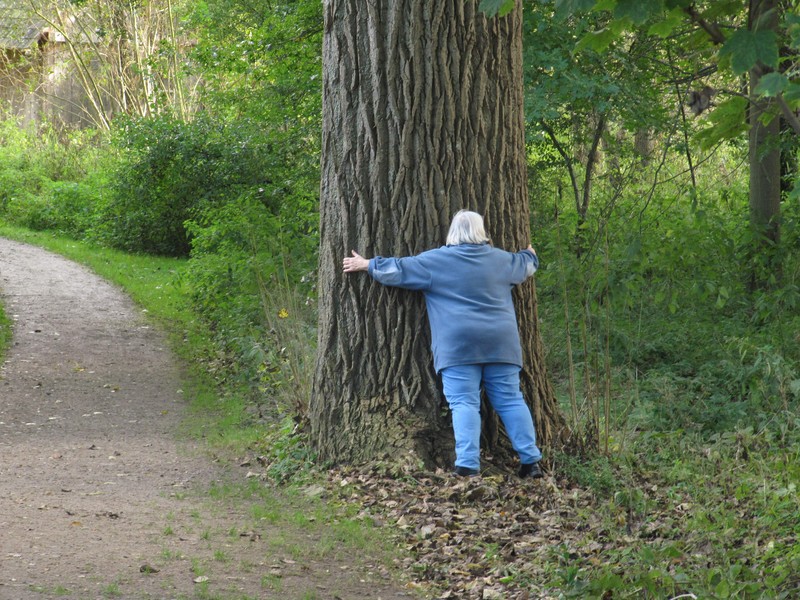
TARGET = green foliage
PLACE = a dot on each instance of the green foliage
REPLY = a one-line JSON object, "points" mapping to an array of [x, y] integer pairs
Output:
{"points": [[51, 181], [263, 62], [243, 260], [253, 255], [171, 172], [63, 207], [496, 7], [722, 32], [566, 84], [665, 298], [594, 472], [727, 122], [733, 540], [286, 453], [747, 48], [772, 84]]}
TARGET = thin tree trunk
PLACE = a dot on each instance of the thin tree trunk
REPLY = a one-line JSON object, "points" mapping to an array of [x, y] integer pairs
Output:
{"points": [[422, 116], [765, 153], [684, 123]]}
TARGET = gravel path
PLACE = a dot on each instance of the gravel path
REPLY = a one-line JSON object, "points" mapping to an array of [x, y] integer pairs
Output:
{"points": [[93, 484]]}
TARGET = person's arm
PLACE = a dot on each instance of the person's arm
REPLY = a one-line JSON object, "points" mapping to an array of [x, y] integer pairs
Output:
{"points": [[408, 273], [523, 264]]}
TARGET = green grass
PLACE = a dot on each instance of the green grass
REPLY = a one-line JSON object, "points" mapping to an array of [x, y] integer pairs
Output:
{"points": [[717, 517], [5, 333], [112, 590]]}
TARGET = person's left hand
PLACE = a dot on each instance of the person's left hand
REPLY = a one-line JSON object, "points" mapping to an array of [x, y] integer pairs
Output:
{"points": [[352, 264]]}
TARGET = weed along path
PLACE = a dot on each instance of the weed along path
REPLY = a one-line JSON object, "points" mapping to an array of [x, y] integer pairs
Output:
{"points": [[98, 499]]}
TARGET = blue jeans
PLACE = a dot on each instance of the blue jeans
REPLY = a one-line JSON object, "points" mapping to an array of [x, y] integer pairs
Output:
{"points": [[462, 388]]}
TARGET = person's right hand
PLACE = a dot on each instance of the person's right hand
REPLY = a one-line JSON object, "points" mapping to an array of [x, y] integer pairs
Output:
{"points": [[531, 248], [352, 264]]}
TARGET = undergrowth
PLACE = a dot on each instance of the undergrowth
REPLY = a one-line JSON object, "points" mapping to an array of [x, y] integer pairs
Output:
{"points": [[715, 517]]}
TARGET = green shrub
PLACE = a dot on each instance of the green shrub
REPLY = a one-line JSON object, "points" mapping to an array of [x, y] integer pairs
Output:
{"points": [[249, 276], [51, 181], [172, 171], [65, 208]]}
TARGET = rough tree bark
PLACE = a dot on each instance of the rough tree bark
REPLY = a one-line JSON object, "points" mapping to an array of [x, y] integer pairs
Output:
{"points": [[422, 116]]}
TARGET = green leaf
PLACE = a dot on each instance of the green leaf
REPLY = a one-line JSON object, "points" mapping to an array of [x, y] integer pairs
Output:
{"points": [[567, 8], [722, 589], [792, 93], [748, 48], [772, 84], [727, 122], [792, 26], [599, 41], [493, 8], [665, 27], [638, 11]]}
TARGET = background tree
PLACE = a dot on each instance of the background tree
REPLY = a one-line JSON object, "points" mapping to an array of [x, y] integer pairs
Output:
{"points": [[422, 115], [757, 43], [592, 108]]}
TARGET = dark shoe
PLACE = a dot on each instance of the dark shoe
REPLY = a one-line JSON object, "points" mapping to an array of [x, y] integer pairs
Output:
{"points": [[532, 470], [466, 472]]}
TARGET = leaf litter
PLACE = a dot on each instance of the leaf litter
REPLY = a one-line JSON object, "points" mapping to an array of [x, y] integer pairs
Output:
{"points": [[498, 536], [478, 537]]}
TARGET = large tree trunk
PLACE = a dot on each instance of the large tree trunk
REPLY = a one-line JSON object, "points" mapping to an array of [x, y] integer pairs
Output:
{"points": [[765, 158], [422, 116]]}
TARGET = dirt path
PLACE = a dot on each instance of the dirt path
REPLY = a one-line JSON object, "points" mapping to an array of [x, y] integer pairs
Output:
{"points": [[94, 485]]}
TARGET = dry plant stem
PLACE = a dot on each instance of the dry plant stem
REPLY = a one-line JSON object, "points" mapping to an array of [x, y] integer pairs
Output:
{"points": [[87, 81], [126, 82], [287, 337], [683, 119], [572, 394], [607, 360], [587, 376], [176, 74]]}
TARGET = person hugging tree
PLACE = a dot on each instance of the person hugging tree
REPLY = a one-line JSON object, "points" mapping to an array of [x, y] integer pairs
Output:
{"points": [[474, 336]]}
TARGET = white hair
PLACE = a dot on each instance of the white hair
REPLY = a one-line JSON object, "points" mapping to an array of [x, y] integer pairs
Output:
{"points": [[466, 228]]}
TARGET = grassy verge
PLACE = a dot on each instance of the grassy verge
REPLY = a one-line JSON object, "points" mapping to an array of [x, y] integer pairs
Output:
{"points": [[679, 513], [5, 333]]}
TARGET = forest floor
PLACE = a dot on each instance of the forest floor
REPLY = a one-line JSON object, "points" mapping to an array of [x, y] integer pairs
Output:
{"points": [[100, 497]]}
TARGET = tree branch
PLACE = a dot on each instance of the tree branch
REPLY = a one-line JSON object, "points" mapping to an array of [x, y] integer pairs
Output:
{"points": [[712, 29], [590, 162], [788, 113], [567, 161]]}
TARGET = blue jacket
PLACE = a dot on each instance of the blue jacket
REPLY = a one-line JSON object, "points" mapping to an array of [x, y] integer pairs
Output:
{"points": [[468, 294]]}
